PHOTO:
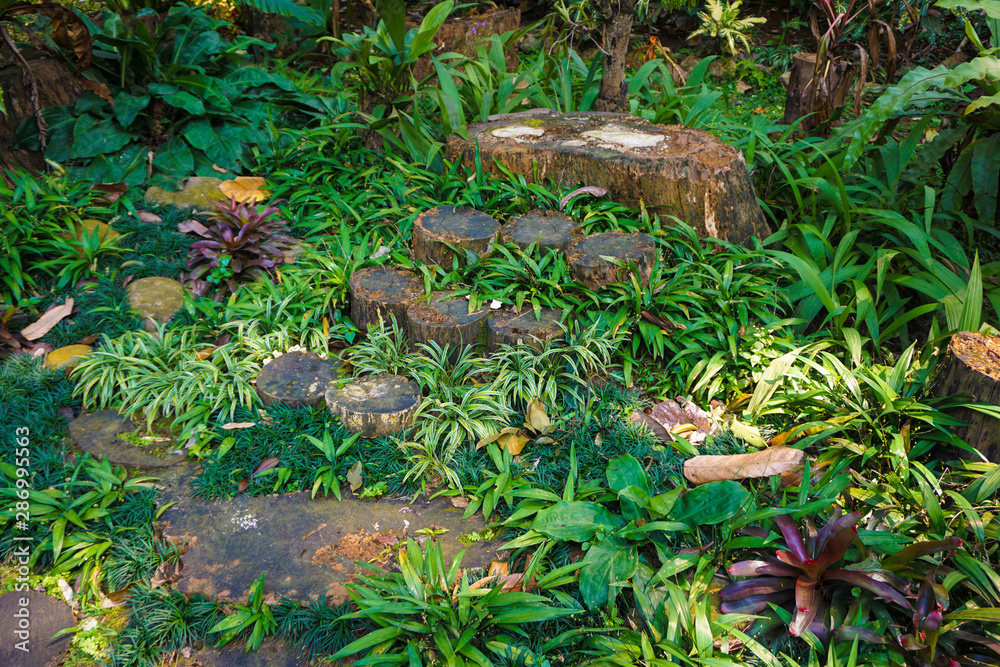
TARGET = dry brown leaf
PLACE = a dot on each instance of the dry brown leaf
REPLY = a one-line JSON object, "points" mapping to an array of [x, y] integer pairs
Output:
{"points": [[513, 443], [499, 567], [354, 476], [267, 464], [151, 218], [496, 436], [44, 324], [246, 188], [235, 425], [221, 170], [110, 191], [192, 226], [459, 502], [767, 462], [685, 419], [204, 354], [243, 486], [656, 427]]}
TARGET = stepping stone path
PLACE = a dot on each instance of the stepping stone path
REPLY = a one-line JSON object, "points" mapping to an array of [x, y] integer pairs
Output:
{"points": [[507, 327], [381, 291], [156, 299], [234, 654], [549, 229], [97, 433], [462, 228], [306, 548], [446, 320], [588, 266], [297, 379], [44, 616], [67, 357], [673, 170], [375, 406], [197, 192]]}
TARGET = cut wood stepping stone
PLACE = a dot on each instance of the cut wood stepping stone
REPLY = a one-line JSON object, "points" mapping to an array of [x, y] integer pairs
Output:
{"points": [[462, 228], [381, 291], [671, 169], [306, 548], [28, 619], [551, 230], [375, 406], [446, 320], [197, 192], [508, 327], [67, 357], [972, 366], [97, 433], [296, 379], [587, 265], [156, 299]]}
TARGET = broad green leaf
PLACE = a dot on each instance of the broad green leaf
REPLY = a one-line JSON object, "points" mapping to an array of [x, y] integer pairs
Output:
{"points": [[711, 503], [174, 159], [127, 107], [575, 520], [103, 137], [608, 566]]}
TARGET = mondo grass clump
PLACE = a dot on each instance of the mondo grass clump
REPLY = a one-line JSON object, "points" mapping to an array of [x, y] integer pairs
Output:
{"points": [[102, 309], [296, 437], [158, 249], [32, 397]]}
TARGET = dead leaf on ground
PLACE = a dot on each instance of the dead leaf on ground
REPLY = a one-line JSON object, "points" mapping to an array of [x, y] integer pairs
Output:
{"points": [[499, 568], [44, 324], [535, 418], [204, 354], [150, 218], [267, 464], [87, 340], [235, 425], [221, 170], [246, 188], [767, 462], [685, 419], [112, 192], [510, 438], [354, 476], [656, 427], [192, 226], [243, 485], [459, 502]]}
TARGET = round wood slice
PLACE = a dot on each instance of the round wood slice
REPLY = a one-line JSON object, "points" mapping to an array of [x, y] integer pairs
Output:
{"points": [[586, 264], [972, 366], [445, 319], [375, 406], [438, 228], [382, 291], [297, 379], [508, 327], [551, 230]]}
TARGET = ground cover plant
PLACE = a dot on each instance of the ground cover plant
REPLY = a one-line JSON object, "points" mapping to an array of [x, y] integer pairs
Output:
{"points": [[827, 337]]}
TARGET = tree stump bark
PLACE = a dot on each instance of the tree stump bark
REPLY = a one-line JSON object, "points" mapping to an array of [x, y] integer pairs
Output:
{"points": [[673, 170], [376, 406], [462, 228], [508, 327], [803, 97], [381, 291], [297, 379], [551, 230], [587, 265], [972, 366], [446, 320], [463, 35]]}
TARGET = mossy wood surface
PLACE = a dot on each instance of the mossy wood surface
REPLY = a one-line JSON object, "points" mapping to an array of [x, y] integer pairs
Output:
{"points": [[445, 319], [381, 291], [551, 230], [461, 228], [673, 170], [297, 379], [375, 406], [972, 366], [587, 265], [507, 327]]}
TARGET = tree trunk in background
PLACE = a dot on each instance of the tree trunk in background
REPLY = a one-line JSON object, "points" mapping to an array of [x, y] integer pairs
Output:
{"points": [[616, 25], [972, 366], [804, 97]]}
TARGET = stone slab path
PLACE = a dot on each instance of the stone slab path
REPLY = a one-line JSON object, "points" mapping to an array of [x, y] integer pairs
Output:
{"points": [[305, 548]]}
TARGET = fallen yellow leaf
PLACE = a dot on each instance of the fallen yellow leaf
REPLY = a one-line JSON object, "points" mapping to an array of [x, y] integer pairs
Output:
{"points": [[246, 188]]}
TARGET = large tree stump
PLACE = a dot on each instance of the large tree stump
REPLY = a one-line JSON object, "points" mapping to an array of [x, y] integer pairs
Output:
{"points": [[464, 34], [674, 170], [436, 231], [587, 265], [806, 96], [446, 320], [296, 379], [381, 291], [507, 327], [376, 406], [972, 366], [551, 230]]}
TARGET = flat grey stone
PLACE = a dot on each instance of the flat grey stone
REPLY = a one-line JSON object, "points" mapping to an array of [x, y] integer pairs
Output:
{"points": [[44, 616], [97, 433]]}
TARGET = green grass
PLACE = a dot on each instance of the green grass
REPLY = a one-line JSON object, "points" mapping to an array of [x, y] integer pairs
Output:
{"points": [[158, 248], [103, 308], [31, 397]]}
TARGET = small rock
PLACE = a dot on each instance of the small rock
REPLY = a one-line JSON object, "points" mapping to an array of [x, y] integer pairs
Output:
{"points": [[156, 298], [67, 357]]}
